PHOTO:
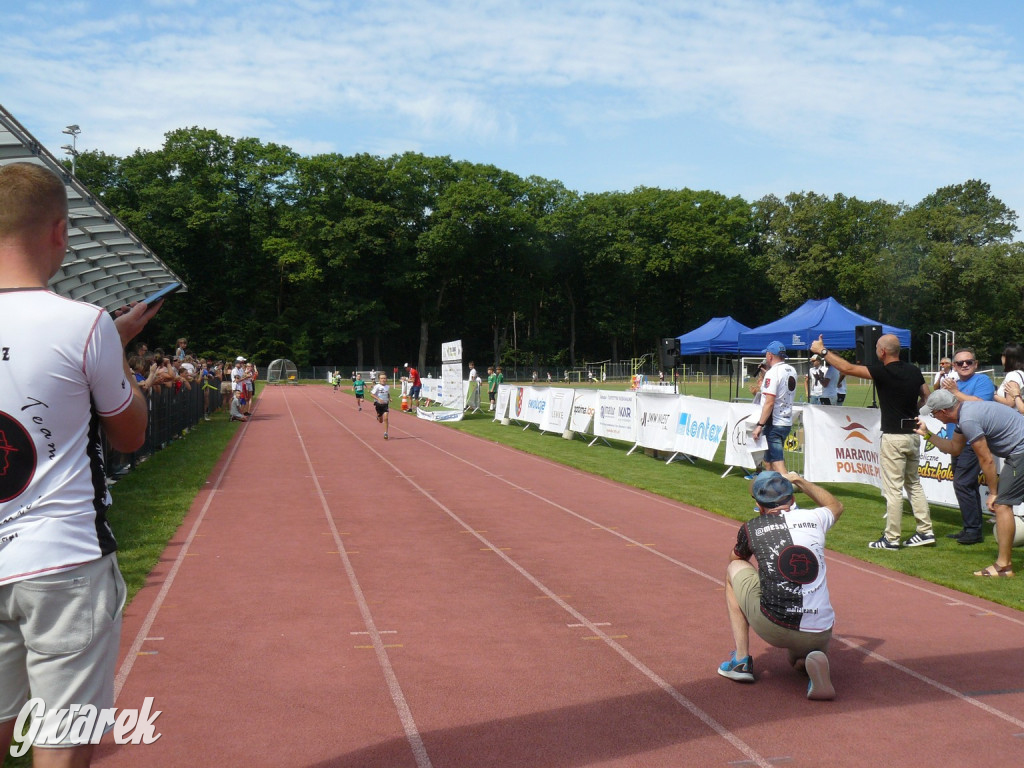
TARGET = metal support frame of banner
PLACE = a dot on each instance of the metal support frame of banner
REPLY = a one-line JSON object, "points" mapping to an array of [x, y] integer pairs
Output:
{"points": [[686, 456]]}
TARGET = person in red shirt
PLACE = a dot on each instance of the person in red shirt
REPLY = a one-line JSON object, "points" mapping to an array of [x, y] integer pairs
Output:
{"points": [[414, 378]]}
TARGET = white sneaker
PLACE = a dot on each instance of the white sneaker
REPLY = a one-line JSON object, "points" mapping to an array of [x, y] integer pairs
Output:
{"points": [[820, 687]]}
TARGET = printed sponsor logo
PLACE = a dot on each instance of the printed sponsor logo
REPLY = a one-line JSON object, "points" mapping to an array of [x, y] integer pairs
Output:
{"points": [[616, 412], [701, 430], [857, 461], [855, 431], [654, 419]]}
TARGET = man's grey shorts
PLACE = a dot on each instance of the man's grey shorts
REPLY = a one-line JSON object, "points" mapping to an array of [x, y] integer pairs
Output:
{"points": [[1011, 481], [747, 586], [59, 637]]}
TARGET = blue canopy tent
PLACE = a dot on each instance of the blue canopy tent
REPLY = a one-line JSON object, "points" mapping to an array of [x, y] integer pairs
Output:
{"points": [[826, 317], [719, 335]]}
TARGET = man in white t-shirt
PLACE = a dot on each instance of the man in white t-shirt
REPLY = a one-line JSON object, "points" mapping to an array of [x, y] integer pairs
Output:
{"points": [[830, 385], [776, 418], [816, 380], [945, 372], [785, 599], [63, 378]]}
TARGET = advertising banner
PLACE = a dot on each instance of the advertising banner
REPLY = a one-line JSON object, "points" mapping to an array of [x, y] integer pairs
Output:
{"points": [[740, 449], [615, 415], [451, 375], [842, 445], [501, 401], [528, 404], [558, 411], [584, 403], [451, 352], [936, 468], [700, 426], [430, 389], [657, 418]]}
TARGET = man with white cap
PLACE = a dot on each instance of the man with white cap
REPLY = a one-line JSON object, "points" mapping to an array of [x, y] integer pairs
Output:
{"points": [[786, 599], [991, 429], [776, 418]]}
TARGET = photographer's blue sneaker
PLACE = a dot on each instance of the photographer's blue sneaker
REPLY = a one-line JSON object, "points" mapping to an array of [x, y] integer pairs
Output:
{"points": [[740, 670]]}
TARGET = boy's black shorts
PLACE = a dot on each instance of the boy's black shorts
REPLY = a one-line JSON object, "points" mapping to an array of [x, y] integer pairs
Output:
{"points": [[382, 408]]}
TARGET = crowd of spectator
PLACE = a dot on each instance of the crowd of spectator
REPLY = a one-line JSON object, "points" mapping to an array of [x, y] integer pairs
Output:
{"points": [[181, 370]]}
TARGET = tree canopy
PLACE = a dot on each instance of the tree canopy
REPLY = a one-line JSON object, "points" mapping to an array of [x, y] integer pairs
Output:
{"points": [[367, 260]]}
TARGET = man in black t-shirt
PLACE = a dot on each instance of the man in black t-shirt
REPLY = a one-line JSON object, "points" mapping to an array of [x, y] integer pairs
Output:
{"points": [[901, 393]]}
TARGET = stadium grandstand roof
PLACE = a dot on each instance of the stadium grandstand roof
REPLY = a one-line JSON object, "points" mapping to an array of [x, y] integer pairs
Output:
{"points": [[106, 263]]}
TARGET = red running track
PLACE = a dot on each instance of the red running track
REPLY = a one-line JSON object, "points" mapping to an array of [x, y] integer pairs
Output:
{"points": [[335, 599]]}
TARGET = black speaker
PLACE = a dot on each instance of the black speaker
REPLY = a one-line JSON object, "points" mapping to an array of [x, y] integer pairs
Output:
{"points": [[668, 352], [866, 337]]}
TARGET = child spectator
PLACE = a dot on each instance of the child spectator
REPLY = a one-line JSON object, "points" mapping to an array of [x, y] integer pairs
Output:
{"points": [[237, 402]]}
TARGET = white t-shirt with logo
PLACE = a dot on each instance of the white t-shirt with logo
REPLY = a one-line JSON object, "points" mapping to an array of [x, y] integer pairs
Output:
{"points": [[61, 368], [781, 382], [830, 390]]}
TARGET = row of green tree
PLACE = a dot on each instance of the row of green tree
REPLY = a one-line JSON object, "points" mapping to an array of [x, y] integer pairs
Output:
{"points": [[369, 260]]}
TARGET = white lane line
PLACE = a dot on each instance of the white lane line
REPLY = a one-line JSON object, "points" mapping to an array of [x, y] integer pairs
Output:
{"points": [[894, 576], [608, 640], [129, 660], [872, 654], [934, 683], [412, 733]]}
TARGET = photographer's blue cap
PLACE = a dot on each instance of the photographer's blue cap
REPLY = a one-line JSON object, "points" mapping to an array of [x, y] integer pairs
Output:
{"points": [[776, 348], [771, 489]]}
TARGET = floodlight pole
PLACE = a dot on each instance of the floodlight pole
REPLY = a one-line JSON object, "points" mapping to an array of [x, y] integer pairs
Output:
{"points": [[72, 148]]}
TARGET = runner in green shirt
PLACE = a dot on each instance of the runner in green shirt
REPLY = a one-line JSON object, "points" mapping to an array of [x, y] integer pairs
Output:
{"points": [[359, 387]]}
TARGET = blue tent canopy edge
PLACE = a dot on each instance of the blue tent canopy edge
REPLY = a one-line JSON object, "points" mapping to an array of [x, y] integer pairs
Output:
{"points": [[719, 335], [803, 325]]}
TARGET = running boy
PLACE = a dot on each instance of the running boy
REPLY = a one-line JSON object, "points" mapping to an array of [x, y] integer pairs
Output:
{"points": [[359, 387], [381, 397]]}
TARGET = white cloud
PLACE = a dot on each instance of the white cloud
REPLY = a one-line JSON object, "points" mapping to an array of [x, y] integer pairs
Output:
{"points": [[900, 85]]}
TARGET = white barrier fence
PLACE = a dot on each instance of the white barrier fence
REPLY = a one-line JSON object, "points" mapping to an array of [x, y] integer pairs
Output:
{"points": [[840, 445]]}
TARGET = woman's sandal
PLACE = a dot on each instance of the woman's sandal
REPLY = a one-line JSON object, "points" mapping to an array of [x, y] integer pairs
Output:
{"points": [[1004, 571]]}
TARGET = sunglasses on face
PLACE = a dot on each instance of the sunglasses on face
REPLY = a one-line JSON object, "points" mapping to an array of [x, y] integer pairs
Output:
{"points": [[964, 362]]}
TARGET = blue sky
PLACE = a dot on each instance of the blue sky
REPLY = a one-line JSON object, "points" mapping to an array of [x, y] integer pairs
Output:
{"points": [[746, 97]]}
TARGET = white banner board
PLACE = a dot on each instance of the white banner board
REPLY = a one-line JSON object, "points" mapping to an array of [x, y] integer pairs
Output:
{"points": [[842, 445], [700, 426], [527, 405], [615, 415], [501, 401], [558, 410], [657, 417], [584, 403]]}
